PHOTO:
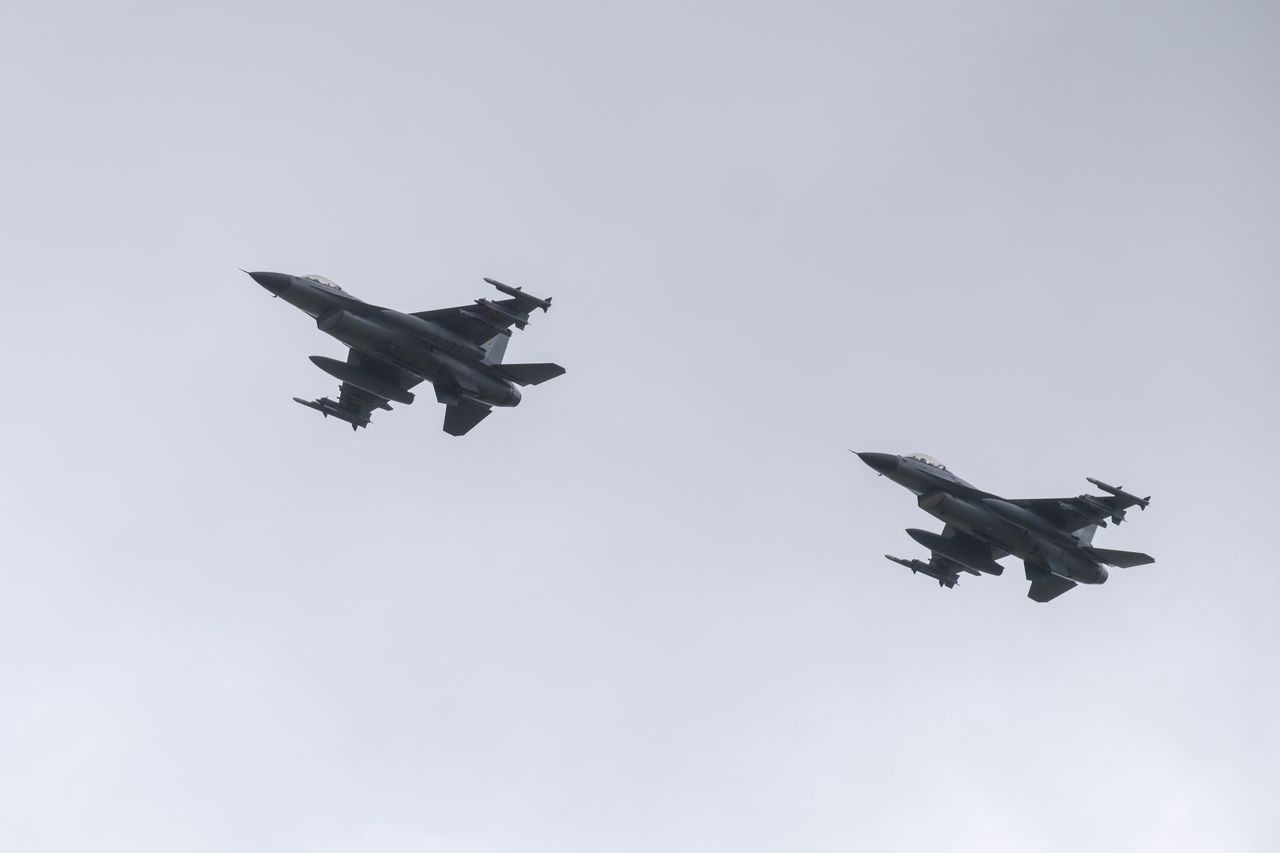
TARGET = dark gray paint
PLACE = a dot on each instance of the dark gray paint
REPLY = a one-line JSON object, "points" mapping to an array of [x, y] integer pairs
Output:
{"points": [[1052, 536], [1035, 238], [458, 350]]}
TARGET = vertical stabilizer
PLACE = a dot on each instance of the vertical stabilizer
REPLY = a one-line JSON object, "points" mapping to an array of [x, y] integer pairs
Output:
{"points": [[495, 348], [1085, 534]]}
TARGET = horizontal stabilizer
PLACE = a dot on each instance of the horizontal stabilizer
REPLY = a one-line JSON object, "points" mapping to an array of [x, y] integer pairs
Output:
{"points": [[1123, 559], [1049, 587], [530, 374], [460, 418]]}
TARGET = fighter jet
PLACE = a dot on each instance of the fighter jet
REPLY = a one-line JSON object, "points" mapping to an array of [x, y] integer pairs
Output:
{"points": [[458, 350], [1052, 536]]}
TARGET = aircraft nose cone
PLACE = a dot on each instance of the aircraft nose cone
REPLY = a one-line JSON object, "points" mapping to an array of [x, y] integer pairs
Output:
{"points": [[881, 463], [276, 282]]}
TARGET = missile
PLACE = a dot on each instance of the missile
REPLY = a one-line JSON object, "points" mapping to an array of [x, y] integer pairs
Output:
{"points": [[365, 381], [479, 317], [1119, 492], [944, 578], [1116, 515], [1069, 507], [502, 313], [544, 304], [958, 552], [328, 407]]}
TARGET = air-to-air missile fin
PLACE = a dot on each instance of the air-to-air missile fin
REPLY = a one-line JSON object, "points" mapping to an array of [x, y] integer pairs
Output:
{"points": [[517, 293], [1122, 559]]}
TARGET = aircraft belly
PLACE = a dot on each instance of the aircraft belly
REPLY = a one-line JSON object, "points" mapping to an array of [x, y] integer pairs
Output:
{"points": [[457, 350], [415, 360], [976, 520], [419, 357], [961, 514]]}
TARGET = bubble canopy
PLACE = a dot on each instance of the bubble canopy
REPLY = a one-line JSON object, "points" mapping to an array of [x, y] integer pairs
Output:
{"points": [[319, 279], [928, 460]]}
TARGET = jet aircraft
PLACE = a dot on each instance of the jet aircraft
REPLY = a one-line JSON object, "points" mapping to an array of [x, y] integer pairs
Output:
{"points": [[458, 350], [1052, 536]]}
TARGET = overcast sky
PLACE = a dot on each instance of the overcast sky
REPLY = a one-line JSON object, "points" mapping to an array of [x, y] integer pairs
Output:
{"points": [[647, 610]]}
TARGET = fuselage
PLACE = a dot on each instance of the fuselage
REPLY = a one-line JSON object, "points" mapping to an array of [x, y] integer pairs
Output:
{"points": [[989, 518], [423, 348]]}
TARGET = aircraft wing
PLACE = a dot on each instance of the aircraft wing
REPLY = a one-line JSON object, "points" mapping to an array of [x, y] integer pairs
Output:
{"points": [[1072, 514], [951, 552], [973, 543], [355, 405], [476, 324], [486, 318]]}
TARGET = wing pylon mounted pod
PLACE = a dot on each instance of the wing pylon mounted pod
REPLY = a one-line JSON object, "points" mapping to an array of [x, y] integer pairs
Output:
{"points": [[502, 314], [944, 574], [328, 407]]}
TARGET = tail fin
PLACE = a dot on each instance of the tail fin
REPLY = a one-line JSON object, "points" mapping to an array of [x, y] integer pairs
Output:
{"points": [[1123, 559], [1085, 534], [495, 348], [531, 374]]}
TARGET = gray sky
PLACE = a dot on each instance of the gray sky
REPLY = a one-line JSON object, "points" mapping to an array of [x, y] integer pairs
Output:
{"points": [[646, 610]]}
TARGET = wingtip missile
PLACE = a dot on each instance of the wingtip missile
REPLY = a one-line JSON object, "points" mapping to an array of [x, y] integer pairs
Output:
{"points": [[517, 293], [1119, 492]]}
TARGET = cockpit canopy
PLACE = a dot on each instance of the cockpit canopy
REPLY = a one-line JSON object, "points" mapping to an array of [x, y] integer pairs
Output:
{"points": [[928, 460], [319, 279]]}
